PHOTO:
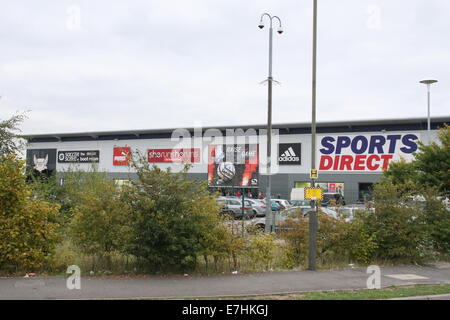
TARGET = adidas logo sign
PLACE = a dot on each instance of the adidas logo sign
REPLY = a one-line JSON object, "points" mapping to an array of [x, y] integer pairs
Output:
{"points": [[289, 156]]}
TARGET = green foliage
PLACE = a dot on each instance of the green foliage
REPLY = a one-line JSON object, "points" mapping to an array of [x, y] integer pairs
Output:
{"points": [[357, 244], [437, 219], [42, 186], [260, 249], [398, 224], [99, 217], [27, 225], [404, 174], [338, 242], [430, 167], [433, 162], [10, 142], [171, 217]]}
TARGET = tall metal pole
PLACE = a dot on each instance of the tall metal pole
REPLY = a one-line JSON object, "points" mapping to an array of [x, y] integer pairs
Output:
{"points": [[313, 212], [270, 216], [429, 120], [428, 82]]}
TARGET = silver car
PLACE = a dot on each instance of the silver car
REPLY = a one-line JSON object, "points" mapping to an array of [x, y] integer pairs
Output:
{"points": [[291, 213], [258, 207], [234, 208]]}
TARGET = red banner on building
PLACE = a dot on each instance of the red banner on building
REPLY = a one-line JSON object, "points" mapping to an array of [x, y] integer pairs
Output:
{"points": [[121, 156], [174, 155]]}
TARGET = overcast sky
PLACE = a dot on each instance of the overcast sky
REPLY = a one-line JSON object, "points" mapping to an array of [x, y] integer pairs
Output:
{"points": [[122, 65]]}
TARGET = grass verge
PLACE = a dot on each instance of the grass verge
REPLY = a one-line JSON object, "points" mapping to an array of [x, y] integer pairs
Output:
{"points": [[385, 293]]}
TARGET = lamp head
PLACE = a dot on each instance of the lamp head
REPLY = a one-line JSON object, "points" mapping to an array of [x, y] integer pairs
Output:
{"points": [[428, 81], [261, 24], [280, 30]]}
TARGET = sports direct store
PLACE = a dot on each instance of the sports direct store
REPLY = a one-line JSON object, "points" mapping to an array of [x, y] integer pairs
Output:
{"points": [[351, 156]]}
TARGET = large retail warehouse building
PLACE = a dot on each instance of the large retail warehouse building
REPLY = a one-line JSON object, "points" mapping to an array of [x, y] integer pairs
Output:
{"points": [[351, 155]]}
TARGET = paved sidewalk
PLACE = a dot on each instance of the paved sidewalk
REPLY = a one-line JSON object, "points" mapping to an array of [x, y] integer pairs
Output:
{"points": [[217, 285]]}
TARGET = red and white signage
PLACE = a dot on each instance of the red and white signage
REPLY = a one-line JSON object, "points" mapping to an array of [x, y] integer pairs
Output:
{"points": [[121, 156], [174, 155]]}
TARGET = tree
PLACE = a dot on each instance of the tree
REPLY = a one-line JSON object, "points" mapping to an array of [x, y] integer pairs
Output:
{"points": [[27, 225], [99, 223], [433, 162], [430, 167], [10, 142], [171, 215]]}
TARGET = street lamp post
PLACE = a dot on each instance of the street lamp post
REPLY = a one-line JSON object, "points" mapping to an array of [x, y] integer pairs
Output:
{"points": [[428, 82], [270, 218], [313, 212]]}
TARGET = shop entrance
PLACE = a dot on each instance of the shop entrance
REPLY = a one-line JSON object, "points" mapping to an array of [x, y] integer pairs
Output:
{"points": [[237, 192], [365, 191]]}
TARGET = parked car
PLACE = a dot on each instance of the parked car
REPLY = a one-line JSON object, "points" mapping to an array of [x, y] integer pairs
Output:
{"points": [[349, 211], [284, 203], [300, 203], [234, 208], [275, 206], [293, 213], [333, 199], [258, 207]]}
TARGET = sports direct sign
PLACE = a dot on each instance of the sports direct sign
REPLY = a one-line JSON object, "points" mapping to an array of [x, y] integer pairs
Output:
{"points": [[174, 155], [364, 153]]}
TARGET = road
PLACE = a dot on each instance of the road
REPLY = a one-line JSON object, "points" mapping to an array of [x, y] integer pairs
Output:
{"points": [[217, 285]]}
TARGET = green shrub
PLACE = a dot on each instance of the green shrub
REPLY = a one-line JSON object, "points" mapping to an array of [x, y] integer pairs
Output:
{"points": [[27, 226], [260, 249], [398, 225], [100, 223], [171, 218]]}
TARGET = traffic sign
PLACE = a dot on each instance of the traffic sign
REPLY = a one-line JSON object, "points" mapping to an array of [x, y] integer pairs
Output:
{"points": [[313, 194], [314, 174]]}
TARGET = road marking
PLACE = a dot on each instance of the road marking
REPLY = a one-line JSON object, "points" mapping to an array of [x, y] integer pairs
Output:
{"points": [[406, 276]]}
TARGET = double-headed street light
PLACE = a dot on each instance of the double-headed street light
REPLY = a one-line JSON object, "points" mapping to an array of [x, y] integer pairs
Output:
{"points": [[270, 217], [428, 82]]}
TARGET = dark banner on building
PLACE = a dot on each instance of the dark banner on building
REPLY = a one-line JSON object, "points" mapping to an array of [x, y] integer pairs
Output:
{"points": [[233, 165], [289, 154], [90, 156], [42, 160]]}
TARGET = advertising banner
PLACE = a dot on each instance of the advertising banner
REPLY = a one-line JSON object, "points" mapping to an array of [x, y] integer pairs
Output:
{"points": [[42, 160], [233, 165], [121, 156], [90, 156], [289, 153], [327, 187], [174, 155], [364, 152]]}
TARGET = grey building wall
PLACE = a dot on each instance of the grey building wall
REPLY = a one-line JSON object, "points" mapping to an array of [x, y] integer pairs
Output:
{"points": [[283, 183]]}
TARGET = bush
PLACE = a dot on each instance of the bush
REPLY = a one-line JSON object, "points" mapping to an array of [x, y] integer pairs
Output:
{"points": [[398, 225], [172, 218], [338, 242], [27, 226], [100, 218], [437, 218], [260, 249]]}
